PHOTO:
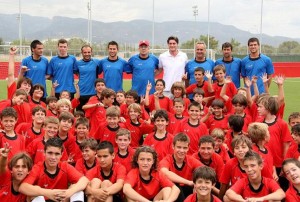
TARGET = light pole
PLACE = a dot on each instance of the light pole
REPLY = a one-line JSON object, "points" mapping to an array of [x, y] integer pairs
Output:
{"points": [[208, 27], [195, 13], [20, 28], [261, 21], [152, 25], [89, 7]]}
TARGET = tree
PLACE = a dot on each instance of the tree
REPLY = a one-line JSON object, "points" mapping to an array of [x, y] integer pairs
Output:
{"points": [[235, 43], [213, 43], [288, 46], [1, 41], [267, 49]]}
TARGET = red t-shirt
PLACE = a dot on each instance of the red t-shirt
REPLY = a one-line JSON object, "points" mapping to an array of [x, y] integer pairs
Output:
{"points": [[5, 103], [36, 151], [292, 194], [33, 103], [106, 133], [223, 153], [70, 145], [65, 174], [232, 172], [26, 129], [230, 90], [163, 103], [187, 169], [137, 131], [126, 159], [193, 198], [162, 146], [293, 151], [147, 188], [216, 163], [7, 193], [245, 189], [49, 112], [213, 122], [195, 132], [267, 157], [173, 122], [204, 87], [279, 134], [82, 167], [124, 112], [17, 143], [117, 172], [186, 105], [96, 115]]}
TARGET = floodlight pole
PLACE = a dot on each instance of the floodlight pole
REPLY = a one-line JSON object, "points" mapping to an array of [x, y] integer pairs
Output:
{"points": [[153, 25], [195, 13], [20, 28], [208, 27], [261, 21], [89, 6]]}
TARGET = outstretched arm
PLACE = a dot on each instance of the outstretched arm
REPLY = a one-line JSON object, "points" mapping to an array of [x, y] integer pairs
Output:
{"points": [[11, 66]]}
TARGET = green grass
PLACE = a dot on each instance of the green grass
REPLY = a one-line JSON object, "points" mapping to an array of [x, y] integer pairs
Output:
{"points": [[291, 87]]}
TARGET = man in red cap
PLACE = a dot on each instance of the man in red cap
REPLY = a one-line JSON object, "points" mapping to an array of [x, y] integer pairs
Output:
{"points": [[143, 66]]}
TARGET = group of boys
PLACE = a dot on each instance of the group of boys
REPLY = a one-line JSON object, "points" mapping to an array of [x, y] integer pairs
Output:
{"points": [[209, 149]]}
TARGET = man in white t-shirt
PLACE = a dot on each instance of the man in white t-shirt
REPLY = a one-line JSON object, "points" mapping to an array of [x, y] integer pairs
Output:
{"points": [[173, 63]]}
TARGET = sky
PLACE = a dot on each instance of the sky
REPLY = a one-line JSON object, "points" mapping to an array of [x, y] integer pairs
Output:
{"points": [[279, 17]]}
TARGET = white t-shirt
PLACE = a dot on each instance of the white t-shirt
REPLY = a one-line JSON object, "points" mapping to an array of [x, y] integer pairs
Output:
{"points": [[173, 66]]}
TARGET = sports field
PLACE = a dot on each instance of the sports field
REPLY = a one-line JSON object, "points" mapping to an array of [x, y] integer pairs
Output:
{"points": [[291, 91]]}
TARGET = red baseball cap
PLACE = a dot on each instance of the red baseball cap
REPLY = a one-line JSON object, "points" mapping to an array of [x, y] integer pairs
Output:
{"points": [[144, 42]]}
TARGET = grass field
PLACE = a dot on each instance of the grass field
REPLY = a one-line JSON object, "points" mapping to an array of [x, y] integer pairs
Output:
{"points": [[291, 87]]}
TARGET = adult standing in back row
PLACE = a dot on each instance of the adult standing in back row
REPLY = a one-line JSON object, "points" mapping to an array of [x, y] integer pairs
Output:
{"points": [[61, 68], [113, 67], [173, 63], [257, 64]]}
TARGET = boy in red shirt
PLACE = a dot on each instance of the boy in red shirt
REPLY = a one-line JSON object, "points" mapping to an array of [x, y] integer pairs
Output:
{"points": [[280, 137], [160, 140], [17, 99], [36, 148], [208, 157], [294, 118], [8, 136], [163, 101], [215, 118], [204, 179], [31, 131], [291, 169], [144, 182], [96, 106], [219, 73], [51, 104], [12, 174], [294, 151], [137, 126], [218, 135], [192, 127], [259, 135], [174, 119], [179, 166], [36, 94], [108, 177], [124, 152], [52, 178], [107, 131], [88, 160], [81, 133], [254, 187]]}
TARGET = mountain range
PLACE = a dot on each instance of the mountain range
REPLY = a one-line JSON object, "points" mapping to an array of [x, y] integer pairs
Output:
{"points": [[130, 32]]}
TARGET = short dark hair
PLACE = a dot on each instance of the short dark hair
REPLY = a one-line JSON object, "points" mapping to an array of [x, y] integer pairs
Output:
{"points": [[83, 121], [37, 109], [36, 87], [113, 43], [24, 79], [198, 91], [252, 155], [236, 123], [181, 137], [62, 41], [241, 139], [199, 69], [106, 145], [86, 46], [207, 139], [146, 149], [132, 93], [296, 129], [227, 45], [51, 99], [253, 39], [217, 103], [294, 115], [205, 172], [90, 142], [9, 112], [54, 142], [34, 43], [239, 99], [66, 116], [99, 80], [79, 113], [175, 38], [160, 80], [194, 104], [161, 113], [290, 160]]}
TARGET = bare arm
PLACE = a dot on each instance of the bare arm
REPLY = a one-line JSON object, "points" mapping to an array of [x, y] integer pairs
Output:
{"points": [[232, 196], [266, 81], [158, 71], [79, 186], [116, 187], [3, 158], [278, 195], [223, 189], [132, 194], [174, 193], [209, 81], [286, 146], [11, 66], [77, 94], [148, 88], [224, 87], [279, 80], [176, 178]]}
